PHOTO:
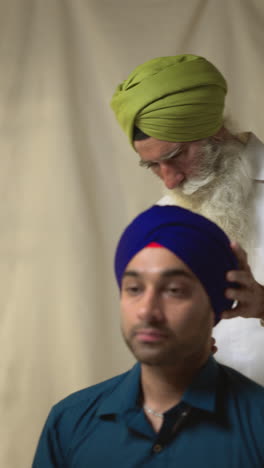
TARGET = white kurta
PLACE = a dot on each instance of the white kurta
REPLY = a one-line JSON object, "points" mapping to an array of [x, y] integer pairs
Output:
{"points": [[241, 341]]}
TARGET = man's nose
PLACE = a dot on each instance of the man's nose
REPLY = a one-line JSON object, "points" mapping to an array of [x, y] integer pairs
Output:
{"points": [[150, 308], [170, 175]]}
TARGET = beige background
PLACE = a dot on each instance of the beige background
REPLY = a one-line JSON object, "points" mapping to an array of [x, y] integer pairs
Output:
{"points": [[69, 181]]}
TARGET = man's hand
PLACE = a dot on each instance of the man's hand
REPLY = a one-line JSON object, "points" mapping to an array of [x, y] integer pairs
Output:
{"points": [[250, 294]]}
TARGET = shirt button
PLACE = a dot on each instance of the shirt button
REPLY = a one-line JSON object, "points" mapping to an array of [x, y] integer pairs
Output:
{"points": [[157, 448]]}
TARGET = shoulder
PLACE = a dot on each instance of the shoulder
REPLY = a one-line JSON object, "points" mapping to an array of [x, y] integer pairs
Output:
{"points": [[243, 389], [88, 397], [69, 419], [243, 400]]}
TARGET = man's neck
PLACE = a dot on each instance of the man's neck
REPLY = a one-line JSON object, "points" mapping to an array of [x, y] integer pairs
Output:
{"points": [[164, 386]]}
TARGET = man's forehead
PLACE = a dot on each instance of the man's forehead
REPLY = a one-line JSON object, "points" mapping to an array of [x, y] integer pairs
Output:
{"points": [[153, 149], [157, 260]]}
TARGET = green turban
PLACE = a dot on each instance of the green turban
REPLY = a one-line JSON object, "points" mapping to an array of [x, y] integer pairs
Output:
{"points": [[177, 99]]}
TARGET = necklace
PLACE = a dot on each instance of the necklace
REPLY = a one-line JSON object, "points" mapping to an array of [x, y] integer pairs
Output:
{"points": [[153, 412]]}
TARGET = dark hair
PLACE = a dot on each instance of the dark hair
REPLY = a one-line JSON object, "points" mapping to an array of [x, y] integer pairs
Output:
{"points": [[139, 135]]}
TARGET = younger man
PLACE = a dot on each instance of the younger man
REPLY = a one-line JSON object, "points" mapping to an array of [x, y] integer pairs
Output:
{"points": [[177, 406]]}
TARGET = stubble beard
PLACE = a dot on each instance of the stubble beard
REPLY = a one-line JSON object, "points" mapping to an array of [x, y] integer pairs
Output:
{"points": [[152, 354], [222, 189], [166, 354]]}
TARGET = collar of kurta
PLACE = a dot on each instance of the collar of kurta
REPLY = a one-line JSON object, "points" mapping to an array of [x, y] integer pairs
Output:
{"points": [[255, 155]]}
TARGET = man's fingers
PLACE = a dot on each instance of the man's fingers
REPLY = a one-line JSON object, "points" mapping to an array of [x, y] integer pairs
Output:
{"points": [[242, 295], [229, 314], [240, 310], [243, 278], [249, 294], [241, 255]]}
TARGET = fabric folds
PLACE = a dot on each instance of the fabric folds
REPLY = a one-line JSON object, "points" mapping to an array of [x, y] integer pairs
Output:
{"points": [[198, 242], [178, 98]]}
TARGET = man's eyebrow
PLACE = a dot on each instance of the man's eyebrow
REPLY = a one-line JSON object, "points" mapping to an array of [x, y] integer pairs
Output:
{"points": [[164, 157], [177, 272], [171, 154], [132, 273], [165, 274]]}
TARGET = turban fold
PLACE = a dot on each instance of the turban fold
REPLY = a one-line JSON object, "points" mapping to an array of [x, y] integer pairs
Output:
{"points": [[198, 242], [177, 99]]}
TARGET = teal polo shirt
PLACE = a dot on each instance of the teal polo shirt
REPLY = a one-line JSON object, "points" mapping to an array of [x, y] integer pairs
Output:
{"points": [[219, 423]]}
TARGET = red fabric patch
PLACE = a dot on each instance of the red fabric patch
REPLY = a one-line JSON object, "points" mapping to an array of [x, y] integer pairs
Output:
{"points": [[154, 245]]}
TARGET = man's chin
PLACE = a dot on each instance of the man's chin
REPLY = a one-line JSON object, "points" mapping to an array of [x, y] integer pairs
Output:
{"points": [[147, 354], [151, 361], [153, 355]]}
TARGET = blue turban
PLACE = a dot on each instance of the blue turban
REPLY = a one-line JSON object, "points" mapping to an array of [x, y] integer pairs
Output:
{"points": [[198, 242]]}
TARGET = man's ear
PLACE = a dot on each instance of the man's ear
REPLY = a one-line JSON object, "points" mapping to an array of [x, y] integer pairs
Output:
{"points": [[222, 135]]}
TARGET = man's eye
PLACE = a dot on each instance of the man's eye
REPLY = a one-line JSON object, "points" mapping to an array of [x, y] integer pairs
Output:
{"points": [[174, 291], [132, 290], [173, 158], [147, 165], [152, 165]]}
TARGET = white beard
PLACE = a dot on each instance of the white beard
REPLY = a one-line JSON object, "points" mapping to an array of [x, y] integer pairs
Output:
{"points": [[222, 189]]}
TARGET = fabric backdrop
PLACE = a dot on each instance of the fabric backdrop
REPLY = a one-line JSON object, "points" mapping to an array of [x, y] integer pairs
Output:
{"points": [[69, 181]]}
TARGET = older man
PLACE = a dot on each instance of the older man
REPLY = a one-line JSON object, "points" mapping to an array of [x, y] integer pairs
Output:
{"points": [[171, 108], [177, 406]]}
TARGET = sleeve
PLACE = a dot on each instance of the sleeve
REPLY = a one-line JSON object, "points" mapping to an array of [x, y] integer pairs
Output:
{"points": [[49, 451]]}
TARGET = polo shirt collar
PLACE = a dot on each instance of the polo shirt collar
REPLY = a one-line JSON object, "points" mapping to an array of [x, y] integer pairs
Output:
{"points": [[200, 394], [124, 396], [203, 390], [255, 155]]}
